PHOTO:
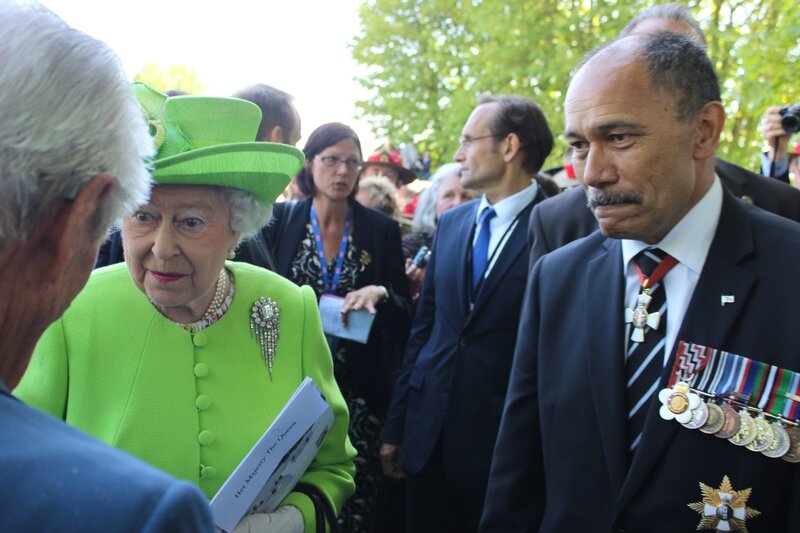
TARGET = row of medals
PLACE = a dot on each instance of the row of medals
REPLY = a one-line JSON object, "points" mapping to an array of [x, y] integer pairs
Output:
{"points": [[775, 439]]}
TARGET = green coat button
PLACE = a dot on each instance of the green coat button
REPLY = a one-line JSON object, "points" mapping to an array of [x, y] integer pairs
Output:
{"points": [[200, 339], [200, 370], [206, 438], [202, 402]]}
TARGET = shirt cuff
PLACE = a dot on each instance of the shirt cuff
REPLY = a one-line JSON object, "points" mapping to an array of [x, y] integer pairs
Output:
{"points": [[781, 165]]}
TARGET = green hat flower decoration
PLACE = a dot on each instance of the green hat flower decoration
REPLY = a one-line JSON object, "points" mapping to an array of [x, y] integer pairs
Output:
{"points": [[209, 140]]}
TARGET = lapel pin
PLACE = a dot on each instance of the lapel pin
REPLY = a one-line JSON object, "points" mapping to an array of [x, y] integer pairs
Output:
{"points": [[726, 299]]}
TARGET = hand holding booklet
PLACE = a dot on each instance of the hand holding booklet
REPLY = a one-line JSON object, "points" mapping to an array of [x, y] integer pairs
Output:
{"points": [[358, 322], [272, 468]]}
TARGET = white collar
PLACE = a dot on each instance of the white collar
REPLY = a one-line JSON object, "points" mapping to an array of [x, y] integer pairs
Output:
{"points": [[689, 240], [508, 208]]}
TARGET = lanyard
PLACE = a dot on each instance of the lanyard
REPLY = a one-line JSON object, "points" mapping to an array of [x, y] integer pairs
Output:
{"points": [[506, 234], [329, 287]]}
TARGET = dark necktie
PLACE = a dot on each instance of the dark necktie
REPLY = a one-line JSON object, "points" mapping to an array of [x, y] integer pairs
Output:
{"points": [[480, 250], [645, 339]]}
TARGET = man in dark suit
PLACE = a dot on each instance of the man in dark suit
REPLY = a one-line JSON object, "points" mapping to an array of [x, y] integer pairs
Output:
{"points": [[586, 442], [58, 195], [445, 411], [565, 218]]}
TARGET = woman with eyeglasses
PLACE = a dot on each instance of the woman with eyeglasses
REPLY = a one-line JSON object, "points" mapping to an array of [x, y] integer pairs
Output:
{"points": [[337, 246]]}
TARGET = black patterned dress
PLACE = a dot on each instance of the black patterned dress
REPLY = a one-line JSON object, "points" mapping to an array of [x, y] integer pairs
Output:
{"points": [[359, 513]]}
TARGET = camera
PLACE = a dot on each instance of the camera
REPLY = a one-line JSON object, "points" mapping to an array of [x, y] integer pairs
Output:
{"points": [[421, 259], [790, 119]]}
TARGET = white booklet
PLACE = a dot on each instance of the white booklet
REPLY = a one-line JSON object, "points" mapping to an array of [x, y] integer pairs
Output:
{"points": [[274, 465], [358, 322]]}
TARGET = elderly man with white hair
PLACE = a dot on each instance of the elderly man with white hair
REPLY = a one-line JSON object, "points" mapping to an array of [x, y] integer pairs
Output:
{"points": [[72, 142]]}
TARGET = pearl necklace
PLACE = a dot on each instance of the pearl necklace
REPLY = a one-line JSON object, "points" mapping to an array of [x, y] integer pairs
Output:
{"points": [[223, 294], [220, 291]]}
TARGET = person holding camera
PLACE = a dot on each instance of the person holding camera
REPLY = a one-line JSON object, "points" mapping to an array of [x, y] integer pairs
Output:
{"points": [[777, 126]]}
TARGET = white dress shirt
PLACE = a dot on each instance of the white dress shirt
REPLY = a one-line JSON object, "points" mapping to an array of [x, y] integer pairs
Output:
{"points": [[688, 242], [504, 223]]}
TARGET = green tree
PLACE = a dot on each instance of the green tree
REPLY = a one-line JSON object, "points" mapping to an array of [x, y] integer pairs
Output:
{"points": [[165, 78], [429, 59]]}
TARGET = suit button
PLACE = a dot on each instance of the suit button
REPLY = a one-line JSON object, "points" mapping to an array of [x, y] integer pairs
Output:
{"points": [[463, 341]]}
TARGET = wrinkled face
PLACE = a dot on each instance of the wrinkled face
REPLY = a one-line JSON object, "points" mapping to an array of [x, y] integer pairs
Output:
{"points": [[176, 245], [374, 171], [336, 182], [482, 163], [451, 194], [636, 160]]}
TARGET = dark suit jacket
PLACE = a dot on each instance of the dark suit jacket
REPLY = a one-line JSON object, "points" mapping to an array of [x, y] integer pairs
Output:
{"points": [[455, 371], [561, 459], [110, 252], [373, 365], [565, 217], [56, 478]]}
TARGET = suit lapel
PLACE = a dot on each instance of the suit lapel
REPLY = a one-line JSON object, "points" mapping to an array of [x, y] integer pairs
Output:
{"points": [[706, 322], [515, 246], [463, 244], [606, 355]]}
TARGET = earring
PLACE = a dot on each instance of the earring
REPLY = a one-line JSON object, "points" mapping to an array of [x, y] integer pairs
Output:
{"points": [[231, 253]]}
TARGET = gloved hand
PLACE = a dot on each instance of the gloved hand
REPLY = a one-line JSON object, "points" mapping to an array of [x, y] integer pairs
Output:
{"points": [[286, 519]]}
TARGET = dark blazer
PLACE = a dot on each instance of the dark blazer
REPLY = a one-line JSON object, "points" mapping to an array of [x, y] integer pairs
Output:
{"points": [[561, 460], [374, 364], [110, 252], [565, 217], [56, 478], [455, 371]]}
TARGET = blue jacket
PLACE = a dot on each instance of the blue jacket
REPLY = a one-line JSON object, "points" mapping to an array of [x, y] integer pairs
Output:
{"points": [[56, 478]]}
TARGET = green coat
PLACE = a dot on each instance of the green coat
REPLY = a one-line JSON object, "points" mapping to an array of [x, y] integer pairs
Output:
{"points": [[192, 405]]}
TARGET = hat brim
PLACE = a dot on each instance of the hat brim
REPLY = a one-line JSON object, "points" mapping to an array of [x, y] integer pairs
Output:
{"points": [[405, 175], [260, 168]]}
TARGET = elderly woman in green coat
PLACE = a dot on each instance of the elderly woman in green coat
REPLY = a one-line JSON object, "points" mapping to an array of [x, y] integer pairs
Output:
{"points": [[163, 356]]}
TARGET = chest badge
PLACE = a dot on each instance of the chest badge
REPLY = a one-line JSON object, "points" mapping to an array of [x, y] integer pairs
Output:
{"points": [[724, 509]]}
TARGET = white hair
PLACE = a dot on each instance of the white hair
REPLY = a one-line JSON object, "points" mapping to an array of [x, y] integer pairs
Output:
{"points": [[67, 114], [247, 214], [425, 214]]}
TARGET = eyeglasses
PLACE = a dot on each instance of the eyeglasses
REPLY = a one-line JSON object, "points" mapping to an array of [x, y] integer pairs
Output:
{"points": [[334, 161], [466, 140]]}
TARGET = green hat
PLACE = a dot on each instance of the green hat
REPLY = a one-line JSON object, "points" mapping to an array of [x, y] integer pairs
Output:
{"points": [[206, 140]]}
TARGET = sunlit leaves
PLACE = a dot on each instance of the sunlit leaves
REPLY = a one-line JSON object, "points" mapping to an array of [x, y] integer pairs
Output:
{"points": [[430, 59]]}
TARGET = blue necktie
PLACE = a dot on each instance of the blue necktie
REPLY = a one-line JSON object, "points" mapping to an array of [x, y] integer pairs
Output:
{"points": [[480, 250]]}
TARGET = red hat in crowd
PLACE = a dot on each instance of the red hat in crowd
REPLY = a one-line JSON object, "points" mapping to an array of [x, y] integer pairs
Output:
{"points": [[389, 158]]}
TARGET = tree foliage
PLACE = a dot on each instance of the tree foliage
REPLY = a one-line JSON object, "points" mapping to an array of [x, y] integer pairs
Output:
{"points": [[172, 77], [428, 60]]}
